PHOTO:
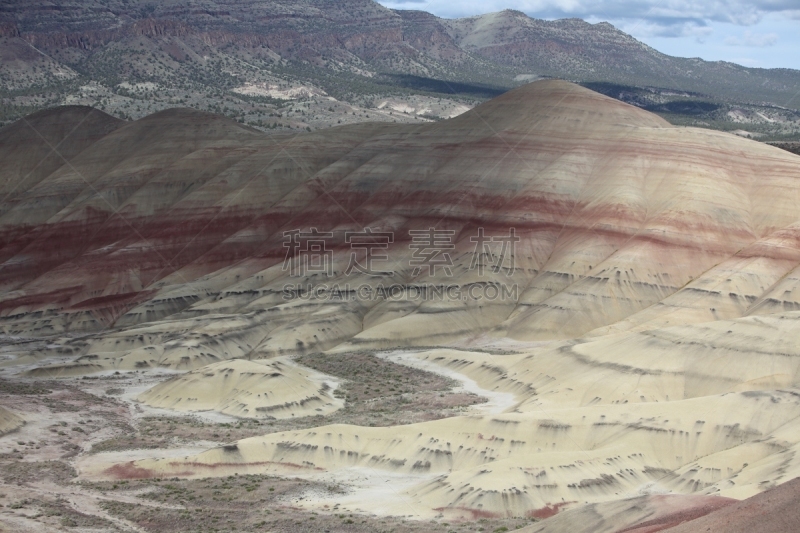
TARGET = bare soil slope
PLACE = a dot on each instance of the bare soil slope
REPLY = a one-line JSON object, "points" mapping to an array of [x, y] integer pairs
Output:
{"points": [[646, 341]]}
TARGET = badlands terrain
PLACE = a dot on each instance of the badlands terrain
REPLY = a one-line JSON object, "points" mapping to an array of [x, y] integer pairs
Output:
{"points": [[172, 359]]}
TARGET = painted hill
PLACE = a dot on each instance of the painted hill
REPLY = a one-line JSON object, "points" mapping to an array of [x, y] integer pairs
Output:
{"points": [[643, 323], [9, 421], [246, 389], [773, 511], [625, 224]]}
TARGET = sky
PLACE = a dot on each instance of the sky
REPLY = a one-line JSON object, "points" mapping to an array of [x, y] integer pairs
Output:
{"points": [[759, 33]]}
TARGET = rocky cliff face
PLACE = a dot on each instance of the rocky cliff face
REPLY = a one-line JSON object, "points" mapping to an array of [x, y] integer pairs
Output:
{"points": [[353, 25]]}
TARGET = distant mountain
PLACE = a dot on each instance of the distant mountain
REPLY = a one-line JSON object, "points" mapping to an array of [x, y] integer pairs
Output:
{"points": [[575, 49], [133, 57]]}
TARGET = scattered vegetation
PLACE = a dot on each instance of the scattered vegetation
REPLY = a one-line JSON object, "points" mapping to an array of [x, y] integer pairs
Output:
{"points": [[251, 503], [376, 393], [760, 121]]}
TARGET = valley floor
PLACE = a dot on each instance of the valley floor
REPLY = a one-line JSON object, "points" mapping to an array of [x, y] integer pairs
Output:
{"points": [[74, 425]]}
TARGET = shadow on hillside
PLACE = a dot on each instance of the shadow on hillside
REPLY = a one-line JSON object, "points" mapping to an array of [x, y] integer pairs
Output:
{"points": [[432, 85]]}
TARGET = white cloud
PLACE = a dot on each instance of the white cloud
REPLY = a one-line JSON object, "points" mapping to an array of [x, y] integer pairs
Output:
{"points": [[746, 61], [753, 39], [643, 29]]}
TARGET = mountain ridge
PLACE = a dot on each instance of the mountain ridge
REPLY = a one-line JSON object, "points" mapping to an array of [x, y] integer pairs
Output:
{"points": [[251, 60]]}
